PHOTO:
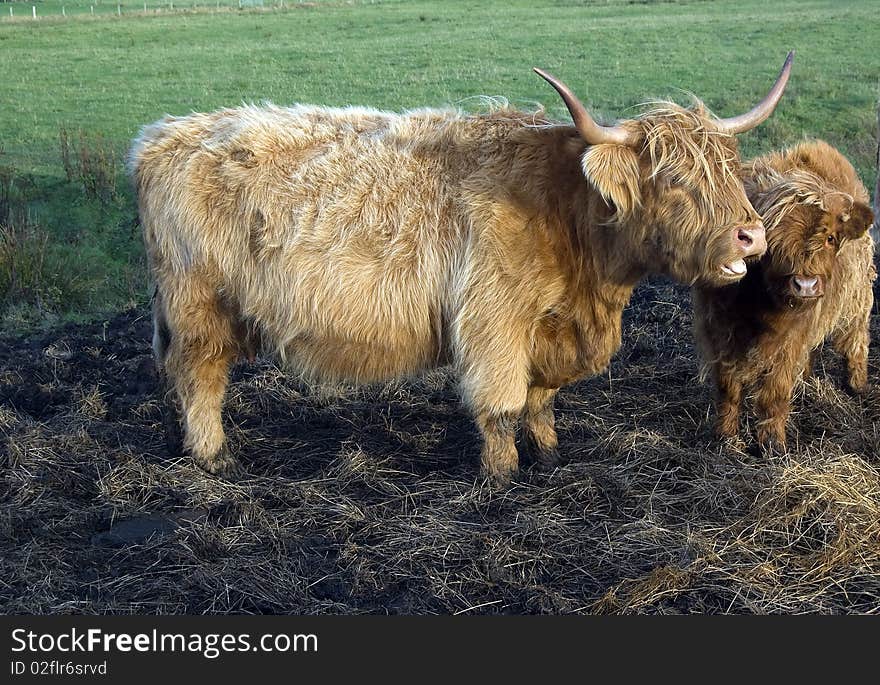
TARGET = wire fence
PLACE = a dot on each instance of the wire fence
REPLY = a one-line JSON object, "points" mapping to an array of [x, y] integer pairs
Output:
{"points": [[62, 9]]}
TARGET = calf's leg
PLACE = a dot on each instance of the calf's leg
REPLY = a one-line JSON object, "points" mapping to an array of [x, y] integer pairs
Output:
{"points": [[852, 344], [810, 368], [773, 406], [728, 400]]}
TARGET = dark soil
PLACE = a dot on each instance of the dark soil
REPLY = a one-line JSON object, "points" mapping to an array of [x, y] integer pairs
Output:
{"points": [[367, 500]]}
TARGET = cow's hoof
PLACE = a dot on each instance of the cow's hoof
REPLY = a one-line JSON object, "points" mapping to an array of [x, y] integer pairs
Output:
{"points": [[857, 390], [222, 464], [547, 460]]}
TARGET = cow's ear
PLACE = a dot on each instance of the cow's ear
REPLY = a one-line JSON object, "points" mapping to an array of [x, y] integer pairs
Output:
{"points": [[860, 219], [614, 170]]}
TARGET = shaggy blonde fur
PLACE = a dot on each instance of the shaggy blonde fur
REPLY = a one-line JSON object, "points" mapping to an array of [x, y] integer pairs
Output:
{"points": [[756, 334], [362, 245]]}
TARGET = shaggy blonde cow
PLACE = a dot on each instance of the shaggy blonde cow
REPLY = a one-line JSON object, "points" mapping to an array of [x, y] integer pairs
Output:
{"points": [[362, 245]]}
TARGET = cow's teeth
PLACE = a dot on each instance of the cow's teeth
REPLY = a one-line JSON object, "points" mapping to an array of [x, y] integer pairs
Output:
{"points": [[737, 268]]}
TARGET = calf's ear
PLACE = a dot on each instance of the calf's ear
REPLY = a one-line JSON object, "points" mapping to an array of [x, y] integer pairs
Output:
{"points": [[614, 171], [860, 219]]}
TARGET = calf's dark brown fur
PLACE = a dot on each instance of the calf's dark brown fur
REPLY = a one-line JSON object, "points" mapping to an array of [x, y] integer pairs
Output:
{"points": [[814, 282]]}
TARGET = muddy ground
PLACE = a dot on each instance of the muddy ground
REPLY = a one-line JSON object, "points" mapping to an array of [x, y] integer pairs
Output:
{"points": [[367, 500]]}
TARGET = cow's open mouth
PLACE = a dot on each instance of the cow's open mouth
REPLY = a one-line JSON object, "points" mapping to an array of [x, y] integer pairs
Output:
{"points": [[735, 269]]}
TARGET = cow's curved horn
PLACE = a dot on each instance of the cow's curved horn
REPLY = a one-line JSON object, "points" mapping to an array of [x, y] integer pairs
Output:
{"points": [[590, 131], [763, 109]]}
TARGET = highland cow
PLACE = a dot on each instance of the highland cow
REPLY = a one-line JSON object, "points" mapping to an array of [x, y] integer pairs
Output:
{"points": [[362, 245], [814, 282]]}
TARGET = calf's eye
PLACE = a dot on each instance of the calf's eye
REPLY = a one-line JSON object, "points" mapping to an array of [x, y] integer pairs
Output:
{"points": [[831, 240]]}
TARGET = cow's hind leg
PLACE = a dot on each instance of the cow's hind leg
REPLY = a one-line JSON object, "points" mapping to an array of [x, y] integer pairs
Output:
{"points": [[196, 361], [539, 429]]}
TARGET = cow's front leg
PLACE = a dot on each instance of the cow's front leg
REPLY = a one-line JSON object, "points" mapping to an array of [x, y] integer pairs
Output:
{"points": [[496, 393], [499, 461], [539, 427]]}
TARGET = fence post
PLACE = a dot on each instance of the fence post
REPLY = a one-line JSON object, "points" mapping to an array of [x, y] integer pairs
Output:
{"points": [[63, 11], [34, 8], [93, 9], [119, 10]]}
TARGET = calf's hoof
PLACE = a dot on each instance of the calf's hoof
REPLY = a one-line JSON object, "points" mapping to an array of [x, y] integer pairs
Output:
{"points": [[725, 431], [733, 442], [772, 446], [222, 464], [499, 478]]}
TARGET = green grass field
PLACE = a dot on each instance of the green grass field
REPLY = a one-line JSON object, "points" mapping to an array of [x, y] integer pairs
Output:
{"points": [[100, 78]]}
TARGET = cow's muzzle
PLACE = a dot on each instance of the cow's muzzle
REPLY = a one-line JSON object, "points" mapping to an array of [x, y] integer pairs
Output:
{"points": [[750, 240], [806, 287]]}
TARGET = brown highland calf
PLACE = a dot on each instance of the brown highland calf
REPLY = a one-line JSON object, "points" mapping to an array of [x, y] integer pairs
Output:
{"points": [[361, 245], [815, 281]]}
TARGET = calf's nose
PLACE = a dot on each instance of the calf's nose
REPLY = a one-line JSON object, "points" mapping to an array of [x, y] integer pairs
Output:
{"points": [[806, 286], [750, 240]]}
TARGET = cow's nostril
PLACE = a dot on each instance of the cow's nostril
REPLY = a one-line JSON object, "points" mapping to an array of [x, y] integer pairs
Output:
{"points": [[744, 238], [806, 286]]}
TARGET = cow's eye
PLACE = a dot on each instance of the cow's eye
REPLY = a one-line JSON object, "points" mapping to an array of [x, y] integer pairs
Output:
{"points": [[831, 240]]}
